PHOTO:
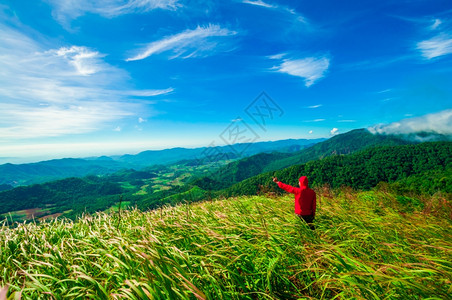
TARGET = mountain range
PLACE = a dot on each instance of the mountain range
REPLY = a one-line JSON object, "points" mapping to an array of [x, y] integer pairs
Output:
{"points": [[12, 175]]}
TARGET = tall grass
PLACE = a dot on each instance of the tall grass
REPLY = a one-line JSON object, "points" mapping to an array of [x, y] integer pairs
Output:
{"points": [[365, 247]]}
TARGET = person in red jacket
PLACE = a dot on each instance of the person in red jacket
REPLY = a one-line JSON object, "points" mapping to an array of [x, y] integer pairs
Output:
{"points": [[305, 199]]}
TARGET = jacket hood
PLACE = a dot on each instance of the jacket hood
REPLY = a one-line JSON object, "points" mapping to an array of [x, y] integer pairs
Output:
{"points": [[303, 181]]}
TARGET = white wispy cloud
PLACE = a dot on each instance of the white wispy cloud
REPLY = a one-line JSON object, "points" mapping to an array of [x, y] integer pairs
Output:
{"points": [[282, 8], [66, 10], [311, 69], [259, 3], [277, 56], [315, 106], [440, 122], [201, 41], [85, 61], [334, 131], [147, 93], [315, 120], [435, 24], [53, 92], [437, 46], [384, 91]]}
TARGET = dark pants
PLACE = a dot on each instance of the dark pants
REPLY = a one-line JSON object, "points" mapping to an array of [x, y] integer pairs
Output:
{"points": [[309, 219]]}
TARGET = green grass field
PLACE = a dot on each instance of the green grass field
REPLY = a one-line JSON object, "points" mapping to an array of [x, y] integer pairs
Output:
{"points": [[367, 245]]}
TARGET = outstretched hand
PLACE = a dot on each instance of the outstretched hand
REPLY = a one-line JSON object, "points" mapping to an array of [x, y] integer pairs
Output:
{"points": [[275, 179]]}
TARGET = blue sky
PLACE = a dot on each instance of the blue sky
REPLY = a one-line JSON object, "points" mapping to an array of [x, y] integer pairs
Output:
{"points": [[81, 78]]}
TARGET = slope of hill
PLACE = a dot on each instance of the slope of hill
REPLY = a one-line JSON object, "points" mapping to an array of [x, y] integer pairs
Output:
{"points": [[238, 170], [367, 245], [362, 170], [345, 143], [425, 183], [68, 195]]}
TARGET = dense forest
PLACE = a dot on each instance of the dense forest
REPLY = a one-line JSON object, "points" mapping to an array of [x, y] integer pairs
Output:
{"points": [[347, 143], [74, 195], [365, 169]]}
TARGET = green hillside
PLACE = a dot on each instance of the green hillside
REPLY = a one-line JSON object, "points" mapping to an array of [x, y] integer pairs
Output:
{"points": [[73, 195], [238, 170], [367, 245], [346, 143], [362, 170]]}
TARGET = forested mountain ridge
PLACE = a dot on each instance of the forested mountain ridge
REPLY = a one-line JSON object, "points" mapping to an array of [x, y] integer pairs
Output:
{"points": [[361, 170], [345, 143]]}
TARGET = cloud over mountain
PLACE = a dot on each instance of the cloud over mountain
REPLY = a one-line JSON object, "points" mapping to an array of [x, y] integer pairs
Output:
{"points": [[439, 123]]}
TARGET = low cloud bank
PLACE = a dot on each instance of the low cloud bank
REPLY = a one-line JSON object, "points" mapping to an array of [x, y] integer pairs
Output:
{"points": [[423, 128]]}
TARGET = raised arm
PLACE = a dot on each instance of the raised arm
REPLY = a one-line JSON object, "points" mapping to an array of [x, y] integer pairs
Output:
{"points": [[286, 187]]}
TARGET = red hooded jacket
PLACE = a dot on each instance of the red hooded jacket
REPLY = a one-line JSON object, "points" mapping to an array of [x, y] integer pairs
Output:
{"points": [[305, 200]]}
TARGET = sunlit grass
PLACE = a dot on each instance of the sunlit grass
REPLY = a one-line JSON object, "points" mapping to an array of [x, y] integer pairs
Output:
{"points": [[142, 190], [365, 247]]}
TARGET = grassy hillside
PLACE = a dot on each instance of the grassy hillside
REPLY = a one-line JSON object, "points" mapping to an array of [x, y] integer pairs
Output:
{"points": [[367, 245]]}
